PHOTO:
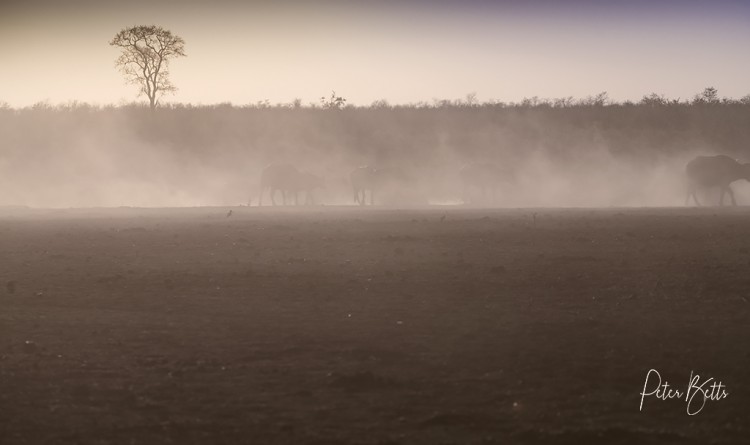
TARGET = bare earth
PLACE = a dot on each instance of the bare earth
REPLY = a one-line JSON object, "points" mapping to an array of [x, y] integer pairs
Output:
{"points": [[372, 326]]}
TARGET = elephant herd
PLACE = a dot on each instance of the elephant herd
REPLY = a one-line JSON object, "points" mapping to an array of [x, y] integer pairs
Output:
{"points": [[480, 181]]}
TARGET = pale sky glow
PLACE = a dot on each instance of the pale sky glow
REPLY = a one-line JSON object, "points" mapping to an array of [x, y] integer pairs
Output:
{"points": [[244, 52]]}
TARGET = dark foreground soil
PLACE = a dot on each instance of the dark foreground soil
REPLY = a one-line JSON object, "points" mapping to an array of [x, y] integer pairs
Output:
{"points": [[371, 326]]}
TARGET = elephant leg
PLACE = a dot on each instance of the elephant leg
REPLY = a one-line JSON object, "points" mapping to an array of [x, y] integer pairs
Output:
{"points": [[731, 195]]}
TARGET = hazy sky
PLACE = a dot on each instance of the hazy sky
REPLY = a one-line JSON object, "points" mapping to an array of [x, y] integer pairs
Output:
{"points": [[402, 51]]}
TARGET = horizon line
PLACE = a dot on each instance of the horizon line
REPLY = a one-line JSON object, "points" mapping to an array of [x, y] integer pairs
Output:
{"points": [[469, 100]]}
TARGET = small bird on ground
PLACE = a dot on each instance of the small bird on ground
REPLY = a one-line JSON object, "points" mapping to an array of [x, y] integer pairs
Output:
{"points": [[229, 213]]}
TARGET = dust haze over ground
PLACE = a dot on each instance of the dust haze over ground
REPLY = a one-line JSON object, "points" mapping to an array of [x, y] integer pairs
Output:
{"points": [[589, 154], [393, 324]]}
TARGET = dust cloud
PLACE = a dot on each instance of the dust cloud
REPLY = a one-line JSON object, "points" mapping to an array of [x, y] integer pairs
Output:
{"points": [[552, 156]]}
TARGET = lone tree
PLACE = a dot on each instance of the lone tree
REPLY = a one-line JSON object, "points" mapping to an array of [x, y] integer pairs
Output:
{"points": [[146, 52]]}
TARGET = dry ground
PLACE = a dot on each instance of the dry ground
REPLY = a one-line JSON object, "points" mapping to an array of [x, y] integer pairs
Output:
{"points": [[371, 326]]}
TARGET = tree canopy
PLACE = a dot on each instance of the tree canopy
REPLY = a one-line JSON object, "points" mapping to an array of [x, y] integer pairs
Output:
{"points": [[145, 57]]}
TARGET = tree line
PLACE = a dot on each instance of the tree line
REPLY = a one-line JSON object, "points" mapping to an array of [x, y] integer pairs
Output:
{"points": [[708, 97]]}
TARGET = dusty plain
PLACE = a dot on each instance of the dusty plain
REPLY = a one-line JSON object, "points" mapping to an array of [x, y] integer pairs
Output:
{"points": [[334, 325]]}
